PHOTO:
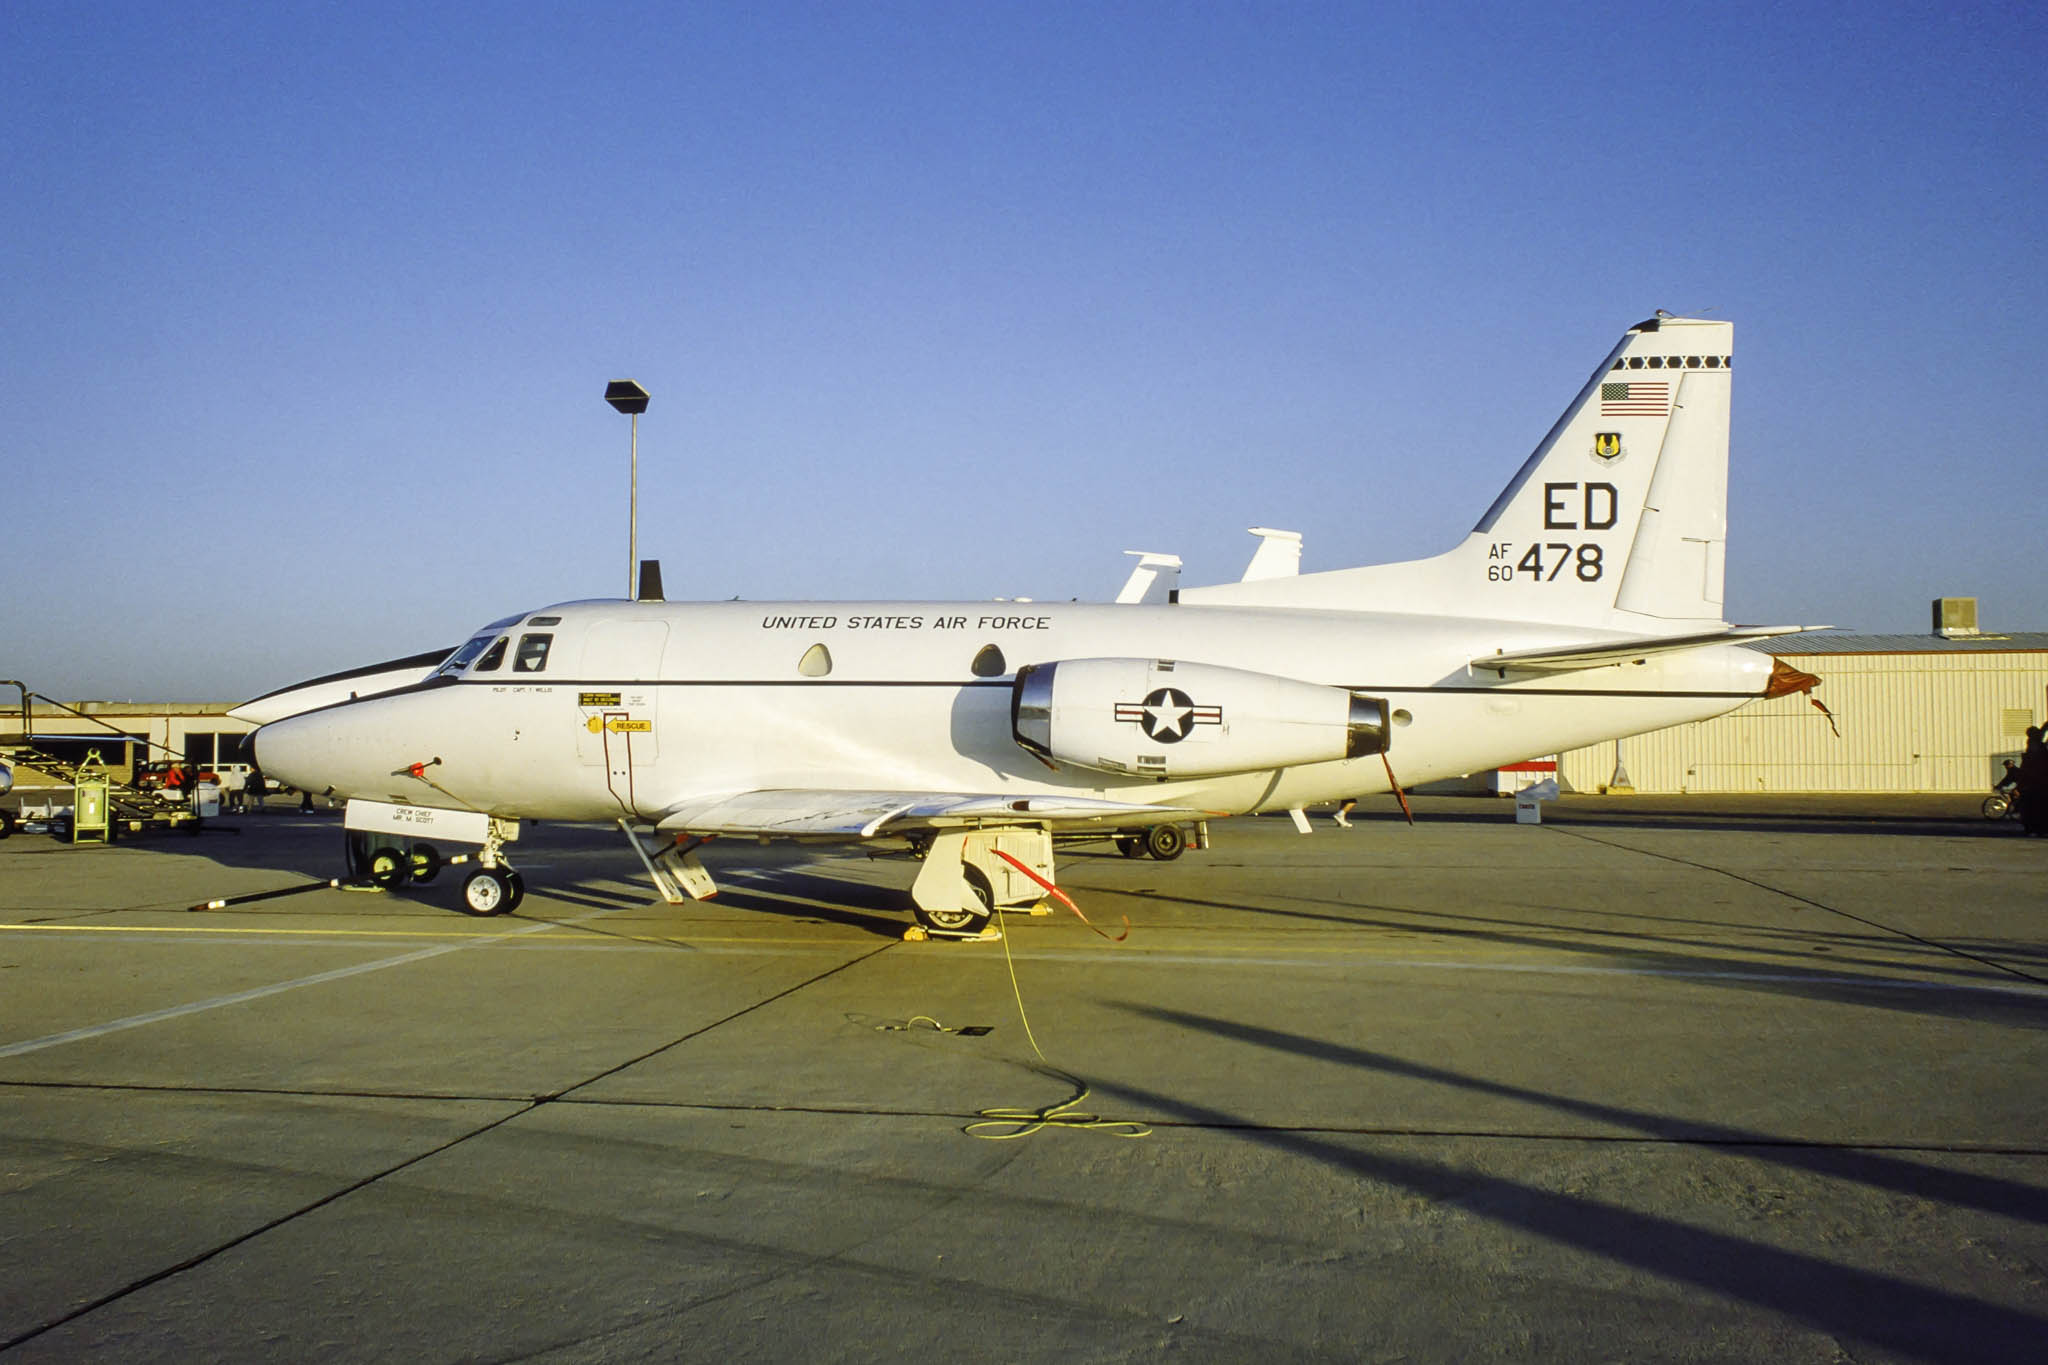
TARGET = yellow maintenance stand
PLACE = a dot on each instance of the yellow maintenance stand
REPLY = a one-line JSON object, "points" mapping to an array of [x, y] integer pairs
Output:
{"points": [[92, 811]]}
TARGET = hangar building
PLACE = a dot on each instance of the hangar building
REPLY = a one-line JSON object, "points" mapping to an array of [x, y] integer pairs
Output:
{"points": [[1916, 713]]}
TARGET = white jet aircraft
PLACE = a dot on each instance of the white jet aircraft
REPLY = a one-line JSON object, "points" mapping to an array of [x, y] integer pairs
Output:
{"points": [[1584, 606]]}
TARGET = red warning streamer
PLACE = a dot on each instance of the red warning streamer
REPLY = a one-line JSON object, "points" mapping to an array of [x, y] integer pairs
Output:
{"points": [[1065, 899], [1394, 782]]}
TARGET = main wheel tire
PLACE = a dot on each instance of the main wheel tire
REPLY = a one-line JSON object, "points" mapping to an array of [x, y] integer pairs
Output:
{"points": [[517, 884], [963, 922], [1165, 842], [426, 863], [6, 823], [486, 891], [389, 868], [1131, 845]]}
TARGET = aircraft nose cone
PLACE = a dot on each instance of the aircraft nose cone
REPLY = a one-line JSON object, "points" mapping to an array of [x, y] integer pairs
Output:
{"points": [[356, 748], [282, 752]]}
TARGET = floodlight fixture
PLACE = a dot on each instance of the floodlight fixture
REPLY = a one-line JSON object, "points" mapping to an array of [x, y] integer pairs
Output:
{"points": [[628, 397]]}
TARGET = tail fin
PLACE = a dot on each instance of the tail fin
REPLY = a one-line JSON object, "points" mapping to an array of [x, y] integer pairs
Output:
{"points": [[1618, 519]]}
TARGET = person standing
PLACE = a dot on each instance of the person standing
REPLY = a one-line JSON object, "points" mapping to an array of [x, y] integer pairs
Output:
{"points": [[252, 790], [2033, 784]]}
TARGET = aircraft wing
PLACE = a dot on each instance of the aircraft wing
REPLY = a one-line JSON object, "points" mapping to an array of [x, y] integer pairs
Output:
{"points": [[1566, 658], [803, 812]]}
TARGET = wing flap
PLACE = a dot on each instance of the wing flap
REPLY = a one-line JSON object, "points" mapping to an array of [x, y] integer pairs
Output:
{"points": [[796, 812]]}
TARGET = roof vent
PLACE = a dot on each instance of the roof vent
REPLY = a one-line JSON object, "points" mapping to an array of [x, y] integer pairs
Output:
{"points": [[1955, 617]]}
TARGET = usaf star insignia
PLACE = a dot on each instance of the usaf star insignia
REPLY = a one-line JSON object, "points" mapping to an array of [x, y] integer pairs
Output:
{"points": [[1168, 715]]}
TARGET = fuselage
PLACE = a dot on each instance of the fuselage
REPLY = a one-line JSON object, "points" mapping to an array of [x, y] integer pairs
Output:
{"points": [[597, 710]]}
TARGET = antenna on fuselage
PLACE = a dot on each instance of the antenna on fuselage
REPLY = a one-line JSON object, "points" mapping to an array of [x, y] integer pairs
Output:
{"points": [[650, 582]]}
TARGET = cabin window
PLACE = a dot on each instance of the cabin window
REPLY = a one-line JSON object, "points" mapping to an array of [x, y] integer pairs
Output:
{"points": [[989, 663], [493, 657], [816, 663], [532, 655]]}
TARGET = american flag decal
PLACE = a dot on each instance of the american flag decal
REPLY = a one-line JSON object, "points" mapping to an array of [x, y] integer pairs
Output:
{"points": [[1636, 398]]}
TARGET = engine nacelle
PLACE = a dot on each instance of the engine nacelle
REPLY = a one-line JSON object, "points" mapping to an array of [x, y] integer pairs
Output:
{"points": [[1165, 718]]}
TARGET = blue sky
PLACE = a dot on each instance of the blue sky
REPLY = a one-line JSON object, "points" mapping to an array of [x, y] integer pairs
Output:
{"points": [[310, 308]]}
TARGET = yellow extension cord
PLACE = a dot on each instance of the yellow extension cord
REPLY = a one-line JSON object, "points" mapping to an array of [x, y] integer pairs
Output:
{"points": [[1001, 1125]]}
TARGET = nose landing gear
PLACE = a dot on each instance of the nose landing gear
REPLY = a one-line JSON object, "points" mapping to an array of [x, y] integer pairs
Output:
{"points": [[495, 888], [492, 891], [389, 861]]}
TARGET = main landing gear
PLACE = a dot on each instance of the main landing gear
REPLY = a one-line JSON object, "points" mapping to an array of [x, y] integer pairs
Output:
{"points": [[965, 880], [1164, 842]]}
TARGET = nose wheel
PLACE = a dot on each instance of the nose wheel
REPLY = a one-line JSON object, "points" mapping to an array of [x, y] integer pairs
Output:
{"points": [[390, 860], [492, 891]]}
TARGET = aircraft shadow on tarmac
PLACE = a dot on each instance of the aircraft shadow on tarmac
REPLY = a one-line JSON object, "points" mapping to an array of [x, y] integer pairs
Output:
{"points": [[1790, 822], [1860, 1305], [1780, 962], [1786, 968], [312, 849]]}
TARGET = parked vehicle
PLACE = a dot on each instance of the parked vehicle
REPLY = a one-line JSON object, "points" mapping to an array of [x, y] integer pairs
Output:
{"points": [[151, 776]]}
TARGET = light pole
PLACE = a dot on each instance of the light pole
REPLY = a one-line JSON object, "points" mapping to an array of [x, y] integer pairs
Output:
{"points": [[628, 397]]}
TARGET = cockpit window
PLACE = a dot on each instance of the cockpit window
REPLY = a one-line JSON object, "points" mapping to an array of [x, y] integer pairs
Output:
{"points": [[532, 655], [496, 655], [463, 657]]}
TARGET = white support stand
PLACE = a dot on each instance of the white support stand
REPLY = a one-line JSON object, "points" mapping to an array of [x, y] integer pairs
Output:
{"points": [[1529, 802], [677, 873], [1300, 819]]}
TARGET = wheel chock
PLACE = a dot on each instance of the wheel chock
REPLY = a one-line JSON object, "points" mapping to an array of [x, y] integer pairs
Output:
{"points": [[917, 933]]}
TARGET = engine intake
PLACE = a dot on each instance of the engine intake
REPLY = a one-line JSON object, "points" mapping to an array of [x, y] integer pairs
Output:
{"points": [[1165, 718]]}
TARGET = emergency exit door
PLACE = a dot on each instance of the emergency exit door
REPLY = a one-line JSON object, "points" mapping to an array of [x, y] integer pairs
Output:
{"points": [[618, 700]]}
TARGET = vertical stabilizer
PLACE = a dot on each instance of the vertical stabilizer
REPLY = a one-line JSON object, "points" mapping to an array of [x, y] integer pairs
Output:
{"points": [[1278, 555], [1618, 519], [1153, 579]]}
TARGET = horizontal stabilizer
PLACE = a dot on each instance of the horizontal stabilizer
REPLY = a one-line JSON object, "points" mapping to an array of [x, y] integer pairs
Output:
{"points": [[806, 813], [1566, 658]]}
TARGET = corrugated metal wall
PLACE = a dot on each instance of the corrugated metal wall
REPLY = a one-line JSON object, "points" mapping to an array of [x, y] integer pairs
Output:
{"points": [[1910, 723]]}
